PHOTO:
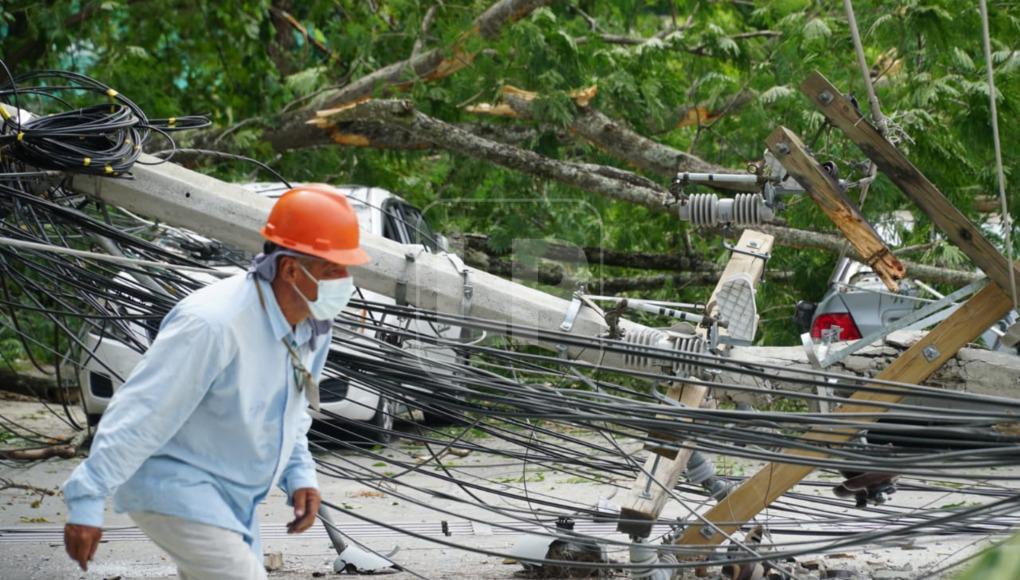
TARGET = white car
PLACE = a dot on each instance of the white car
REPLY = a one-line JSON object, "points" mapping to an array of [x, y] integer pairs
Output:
{"points": [[106, 358]]}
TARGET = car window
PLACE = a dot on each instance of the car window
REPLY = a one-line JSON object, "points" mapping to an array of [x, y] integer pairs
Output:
{"points": [[405, 223], [418, 229]]}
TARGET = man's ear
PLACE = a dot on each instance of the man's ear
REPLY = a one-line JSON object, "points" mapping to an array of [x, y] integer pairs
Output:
{"points": [[286, 268]]}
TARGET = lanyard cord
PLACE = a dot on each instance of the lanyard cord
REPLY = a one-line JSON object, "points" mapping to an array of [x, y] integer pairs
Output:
{"points": [[302, 375]]}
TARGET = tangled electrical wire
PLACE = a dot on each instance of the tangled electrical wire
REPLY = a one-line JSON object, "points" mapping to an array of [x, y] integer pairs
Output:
{"points": [[486, 390], [99, 139]]}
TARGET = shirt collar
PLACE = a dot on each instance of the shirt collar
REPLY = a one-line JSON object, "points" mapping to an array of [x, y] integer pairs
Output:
{"points": [[277, 321]]}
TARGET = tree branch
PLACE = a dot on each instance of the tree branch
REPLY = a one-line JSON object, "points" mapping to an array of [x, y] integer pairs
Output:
{"points": [[610, 182], [612, 137], [401, 116], [795, 238], [692, 115], [286, 18], [560, 252], [431, 65]]}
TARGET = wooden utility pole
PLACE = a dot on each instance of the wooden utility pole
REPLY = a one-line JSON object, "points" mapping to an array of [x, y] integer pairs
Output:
{"points": [[664, 465]]}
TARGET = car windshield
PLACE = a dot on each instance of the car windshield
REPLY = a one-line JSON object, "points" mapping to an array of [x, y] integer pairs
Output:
{"points": [[406, 224]]}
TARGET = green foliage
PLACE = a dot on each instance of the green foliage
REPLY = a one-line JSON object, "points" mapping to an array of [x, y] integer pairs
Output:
{"points": [[238, 60], [1001, 562]]}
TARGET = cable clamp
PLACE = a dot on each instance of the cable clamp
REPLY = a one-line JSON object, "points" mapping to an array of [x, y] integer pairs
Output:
{"points": [[401, 291], [571, 315], [468, 290]]}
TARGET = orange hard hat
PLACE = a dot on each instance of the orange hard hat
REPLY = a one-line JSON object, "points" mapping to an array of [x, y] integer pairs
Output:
{"points": [[317, 220]]}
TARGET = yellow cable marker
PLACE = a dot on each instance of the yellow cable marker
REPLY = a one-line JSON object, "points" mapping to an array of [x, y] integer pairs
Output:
{"points": [[21, 135], [87, 161], [108, 169], [4, 114], [171, 121], [111, 93]]}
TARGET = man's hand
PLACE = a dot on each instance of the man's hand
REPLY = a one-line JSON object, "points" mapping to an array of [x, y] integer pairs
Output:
{"points": [[306, 505], [81, 542]]}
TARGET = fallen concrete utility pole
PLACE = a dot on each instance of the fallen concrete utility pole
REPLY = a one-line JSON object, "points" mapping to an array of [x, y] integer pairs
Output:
{"points": [[434, 281]]}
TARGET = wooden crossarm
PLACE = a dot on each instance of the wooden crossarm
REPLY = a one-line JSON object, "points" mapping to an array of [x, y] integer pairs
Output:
{"points": [[841, 112], [825, 192]]}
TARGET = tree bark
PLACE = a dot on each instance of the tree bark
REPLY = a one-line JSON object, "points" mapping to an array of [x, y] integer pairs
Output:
{"points": [[609, 181], [64, 451], [562, 252], [795, 238], [614, 138]]}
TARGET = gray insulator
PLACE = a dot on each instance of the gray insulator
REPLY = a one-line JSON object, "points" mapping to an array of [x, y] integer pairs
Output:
{"points": [[643, 338], [717, 488], [642, 554], [703, 209], [744, 209], [699, 468], [692, 345]]}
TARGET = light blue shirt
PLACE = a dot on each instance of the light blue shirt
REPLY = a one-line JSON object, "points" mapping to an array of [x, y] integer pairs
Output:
{"points": [[209, 420]]}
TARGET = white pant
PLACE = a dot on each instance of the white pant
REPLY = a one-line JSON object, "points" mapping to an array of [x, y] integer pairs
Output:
{"points": [[201, 552]]}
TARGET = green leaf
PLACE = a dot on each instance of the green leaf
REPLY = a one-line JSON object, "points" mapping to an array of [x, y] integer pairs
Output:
{"points": [[306, 81], [817, 29], [962, 60], [775, 93], [138, 52]]}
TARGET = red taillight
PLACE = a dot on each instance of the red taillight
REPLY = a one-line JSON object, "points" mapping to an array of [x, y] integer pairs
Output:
{"points": [[843, 320]]}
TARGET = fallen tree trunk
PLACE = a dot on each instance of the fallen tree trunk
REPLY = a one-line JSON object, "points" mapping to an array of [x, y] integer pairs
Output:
{"points": [[32, 383], [973, 370], [37, 453]]}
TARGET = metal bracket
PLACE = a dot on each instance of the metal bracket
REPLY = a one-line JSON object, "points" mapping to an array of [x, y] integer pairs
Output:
{"points": [[764, 256], [468, 288], [572, 311], [400, 295], [931, 353]]}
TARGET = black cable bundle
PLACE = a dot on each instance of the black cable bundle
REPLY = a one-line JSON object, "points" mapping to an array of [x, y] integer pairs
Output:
{"points": [[102, 139]]}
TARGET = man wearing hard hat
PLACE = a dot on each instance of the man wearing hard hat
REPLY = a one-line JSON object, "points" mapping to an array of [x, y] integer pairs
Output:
{"points": [[215, 413]]}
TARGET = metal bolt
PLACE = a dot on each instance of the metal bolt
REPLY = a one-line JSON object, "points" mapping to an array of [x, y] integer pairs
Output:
{"points": [[707, 532], [930, 353], [825, 98], [783, 148], [647, 493]]}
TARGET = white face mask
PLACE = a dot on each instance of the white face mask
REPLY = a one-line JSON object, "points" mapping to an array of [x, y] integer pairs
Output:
{"points": [[333, 296]]}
